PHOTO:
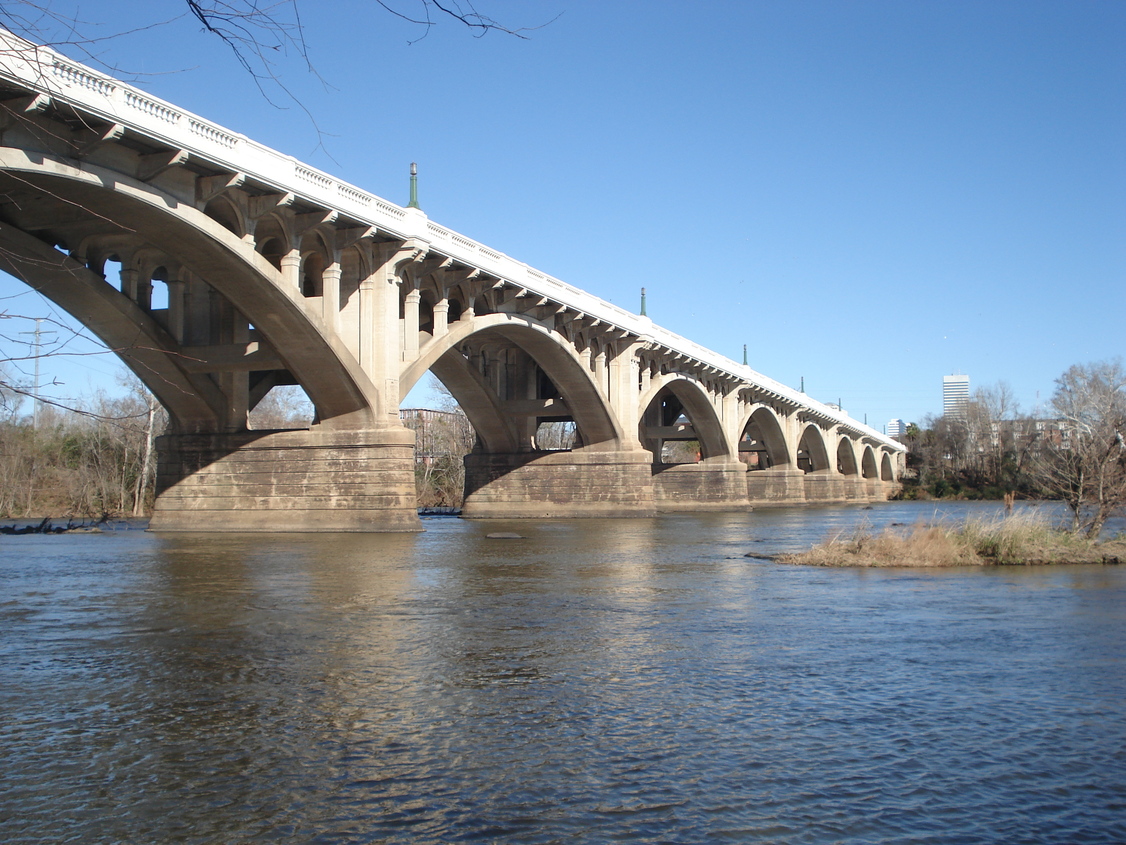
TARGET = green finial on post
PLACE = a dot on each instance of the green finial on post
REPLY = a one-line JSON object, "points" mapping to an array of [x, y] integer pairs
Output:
{"points": [[643, 302], [414, 186], [745, 355]]}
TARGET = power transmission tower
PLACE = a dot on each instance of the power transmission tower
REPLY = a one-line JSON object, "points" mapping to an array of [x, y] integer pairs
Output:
{"points": [[35, 387]]}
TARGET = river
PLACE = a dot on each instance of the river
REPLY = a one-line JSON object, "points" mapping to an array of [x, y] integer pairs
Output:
{"points": [[597, 681]]}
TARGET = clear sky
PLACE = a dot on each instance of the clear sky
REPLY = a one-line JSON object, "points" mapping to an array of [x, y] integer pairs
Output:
{"points": [[869, 195]]}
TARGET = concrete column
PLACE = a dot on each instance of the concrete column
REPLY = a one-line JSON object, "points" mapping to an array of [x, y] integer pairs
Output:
{"points": [[410, 325], [441, 316], [368, 336], [730, 416], [330, 296], [129, 283], [197, 313], [495, 371], [387, 357], [623, 394], [600, 372], [236, 386], [144, 293], [384, 326], [291, 269], [176, 308]]}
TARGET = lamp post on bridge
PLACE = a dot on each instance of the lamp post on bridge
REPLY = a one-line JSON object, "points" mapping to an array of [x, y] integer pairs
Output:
{"points": [[414, 186]]}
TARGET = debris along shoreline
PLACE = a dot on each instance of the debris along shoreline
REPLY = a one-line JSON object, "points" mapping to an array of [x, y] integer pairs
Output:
{"points": [[47, 527], [1015, 540]]}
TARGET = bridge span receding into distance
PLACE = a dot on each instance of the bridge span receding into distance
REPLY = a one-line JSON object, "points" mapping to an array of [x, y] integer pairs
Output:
{"points": [[276, 273]]}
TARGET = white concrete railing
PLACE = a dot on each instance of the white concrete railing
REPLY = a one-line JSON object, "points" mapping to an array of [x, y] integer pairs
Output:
{"points": [[43, 70]]}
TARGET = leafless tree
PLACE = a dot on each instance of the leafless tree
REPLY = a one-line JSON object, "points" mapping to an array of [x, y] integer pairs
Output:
{"points": [[286, 406], [261, 35], [1083, 462]]}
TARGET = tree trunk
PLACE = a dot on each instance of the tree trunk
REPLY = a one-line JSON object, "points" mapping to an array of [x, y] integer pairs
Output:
{"points": [[146, 463]]}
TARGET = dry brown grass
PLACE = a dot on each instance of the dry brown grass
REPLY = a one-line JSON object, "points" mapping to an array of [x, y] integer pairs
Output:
{"points": [[1013, 540]]}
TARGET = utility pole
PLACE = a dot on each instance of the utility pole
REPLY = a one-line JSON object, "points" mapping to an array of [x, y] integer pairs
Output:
{"points": [[35, 387]]}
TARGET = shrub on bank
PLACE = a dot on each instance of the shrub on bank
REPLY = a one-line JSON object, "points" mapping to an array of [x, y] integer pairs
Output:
{"points": [[1017, 539]]}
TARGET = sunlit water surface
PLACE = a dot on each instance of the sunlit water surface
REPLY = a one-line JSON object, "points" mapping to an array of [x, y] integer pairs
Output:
{"points": [[597, 681]]}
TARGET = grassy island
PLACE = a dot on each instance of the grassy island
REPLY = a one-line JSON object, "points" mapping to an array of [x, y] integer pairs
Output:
{"points": [[1015, 540]]}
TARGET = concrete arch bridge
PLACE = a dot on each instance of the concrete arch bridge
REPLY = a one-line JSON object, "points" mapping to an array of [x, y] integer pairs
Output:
{"points": [[217, 269]]}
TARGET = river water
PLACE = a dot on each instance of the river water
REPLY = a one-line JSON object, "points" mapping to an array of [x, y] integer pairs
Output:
{"points": [[597, 681]]}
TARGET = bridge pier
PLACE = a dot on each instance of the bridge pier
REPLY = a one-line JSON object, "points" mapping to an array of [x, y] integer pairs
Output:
{"points": [[709, 485], [823, 485], [776, 486], [558, 484], [855, 489], [301, 481]]}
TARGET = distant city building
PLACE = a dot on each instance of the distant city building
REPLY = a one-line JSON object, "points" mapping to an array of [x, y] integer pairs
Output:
{"points": [[896, 428], [955, 395]]}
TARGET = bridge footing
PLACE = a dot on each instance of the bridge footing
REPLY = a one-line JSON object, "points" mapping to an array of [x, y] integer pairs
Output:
{"points": [[709, 485], [545, 485], [776, 486], [299, 481]]}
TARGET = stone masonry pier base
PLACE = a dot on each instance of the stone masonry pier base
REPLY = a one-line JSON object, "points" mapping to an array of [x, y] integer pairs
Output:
{"points": [[776, 486], [558, 484], [299, 481], [705, 486]]}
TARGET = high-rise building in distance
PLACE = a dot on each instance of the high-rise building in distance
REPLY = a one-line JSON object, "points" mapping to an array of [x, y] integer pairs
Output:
{"points": [[896, 428], [955, 395]]}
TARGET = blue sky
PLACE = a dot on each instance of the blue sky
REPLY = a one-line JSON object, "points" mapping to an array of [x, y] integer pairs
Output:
{"points": [[870, 195]]}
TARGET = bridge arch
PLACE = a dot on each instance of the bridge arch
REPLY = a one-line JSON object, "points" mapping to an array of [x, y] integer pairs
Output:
{"points": [[846, 456], [152, 219], [887, 472], [496, 416], [762, 434], [868, 463], [812, 453], [669, 396]]}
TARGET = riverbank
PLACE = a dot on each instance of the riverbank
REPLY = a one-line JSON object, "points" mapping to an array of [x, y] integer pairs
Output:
{"points": [[1024, 539]]}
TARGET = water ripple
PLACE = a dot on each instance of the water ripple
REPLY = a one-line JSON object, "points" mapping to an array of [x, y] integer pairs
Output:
{"points": [[632, 681]]}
